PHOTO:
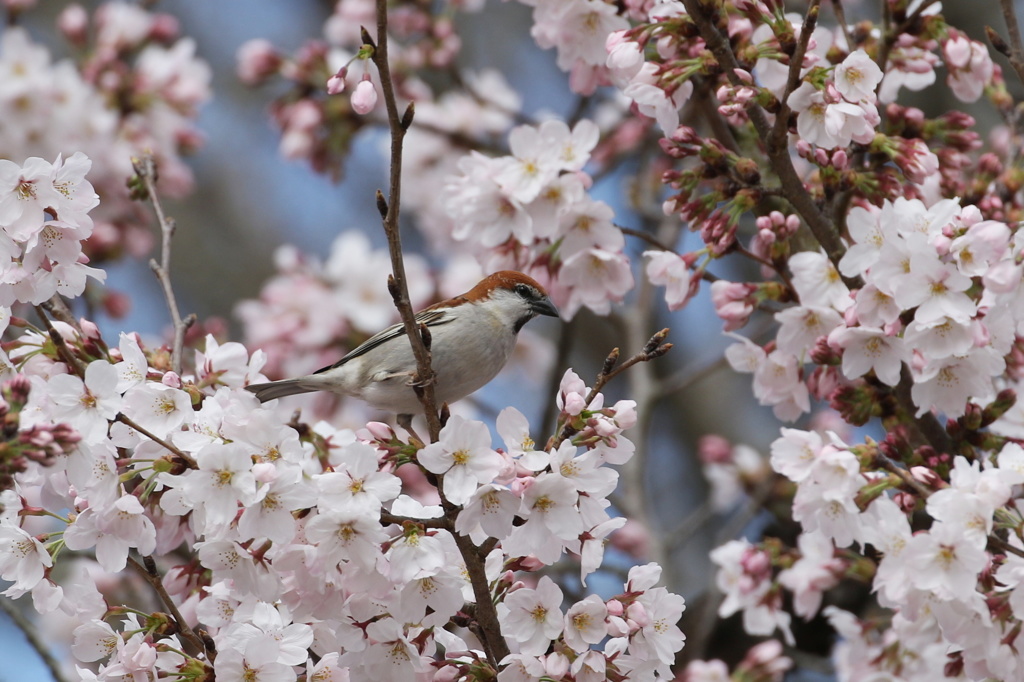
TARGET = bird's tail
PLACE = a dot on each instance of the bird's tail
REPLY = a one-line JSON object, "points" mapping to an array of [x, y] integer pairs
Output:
{"points": [[279, 389]]}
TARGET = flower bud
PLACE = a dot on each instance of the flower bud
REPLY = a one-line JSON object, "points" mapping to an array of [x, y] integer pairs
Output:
{"points": [[364, 98], [73, 23]]}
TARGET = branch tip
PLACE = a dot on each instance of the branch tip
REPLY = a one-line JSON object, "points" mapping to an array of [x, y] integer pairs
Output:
{"points": [[997, 42], [364, 35], [426, 336], [410, 111], [656, 341], [610, 361], [659, 351]]}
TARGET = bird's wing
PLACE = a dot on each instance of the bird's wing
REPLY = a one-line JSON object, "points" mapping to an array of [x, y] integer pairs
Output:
{"points": [[431, 318]]}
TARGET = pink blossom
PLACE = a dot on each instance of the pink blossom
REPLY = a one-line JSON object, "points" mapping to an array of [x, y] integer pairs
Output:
{"points": [[857, 77], [533, 617], [670, 271], [970, 67]]}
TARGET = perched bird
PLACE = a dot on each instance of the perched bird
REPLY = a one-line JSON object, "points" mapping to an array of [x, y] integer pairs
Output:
{"points": [[472, 337]]}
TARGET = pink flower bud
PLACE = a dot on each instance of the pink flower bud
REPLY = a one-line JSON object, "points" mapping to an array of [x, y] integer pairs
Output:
{"points": [[380, 431], [304, 115], [906, 502], [556, 665], [264, 472], [73, 22], [614, 39], [744, 76], [765, 652], [90, 330], [171, 379], [448, 673], [638, 614], [116, 304], [165, 28], [521, 485], [336, 83], [257, 60], [926, 476], [364, 99], [714, 448], [625, 414]]}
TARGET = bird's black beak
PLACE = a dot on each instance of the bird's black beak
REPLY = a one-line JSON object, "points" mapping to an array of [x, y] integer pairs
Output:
{"points": [[544, 307]]}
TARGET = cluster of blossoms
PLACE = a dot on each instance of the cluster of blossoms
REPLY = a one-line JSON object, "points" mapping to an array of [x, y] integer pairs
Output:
{"points": [[530, 211], [308, 552], [946, 591], [334, 83], [923, 297], [305, 548], [309, 311], [135, 86], [44, 216]]}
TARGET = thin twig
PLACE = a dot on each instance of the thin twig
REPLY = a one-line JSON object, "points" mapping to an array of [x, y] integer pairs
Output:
{"points": [[904, 475], [150, 574], [185, 457], [389, 209], [1016, 51], [837, 9], [654, 348], [34, 640], [60, 311], [387, 518], [796, 60], [145, 168], [650, 239], [69, 358]]}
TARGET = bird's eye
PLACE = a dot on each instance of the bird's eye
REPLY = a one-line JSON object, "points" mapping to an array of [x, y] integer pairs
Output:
{"points": [[524, 290]]}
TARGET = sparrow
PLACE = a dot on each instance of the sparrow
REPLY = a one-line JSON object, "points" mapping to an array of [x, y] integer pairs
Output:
{"points": [[472, 337]]}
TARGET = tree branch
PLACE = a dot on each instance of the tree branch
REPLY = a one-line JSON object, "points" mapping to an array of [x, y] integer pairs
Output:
{"points": [[145, 169], [150, 574], [1015, 53], [778, 154], [389, 209], [184, 456], [654, 348], [796, 60], [485, 613]]}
